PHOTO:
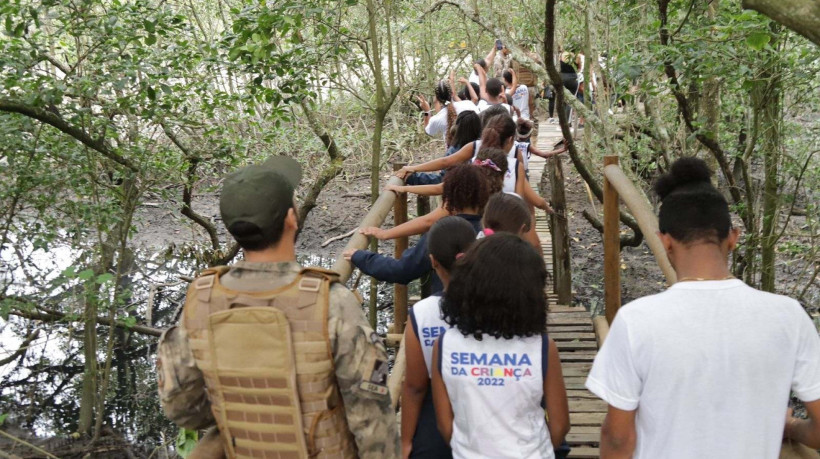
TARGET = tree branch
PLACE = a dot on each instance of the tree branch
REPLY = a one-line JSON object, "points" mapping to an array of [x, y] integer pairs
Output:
{"points": [[60, 124], [802, 16], [21, 351]]}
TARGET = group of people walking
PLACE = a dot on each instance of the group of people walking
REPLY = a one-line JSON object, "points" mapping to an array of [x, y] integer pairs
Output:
{"points": [[279, 361]]}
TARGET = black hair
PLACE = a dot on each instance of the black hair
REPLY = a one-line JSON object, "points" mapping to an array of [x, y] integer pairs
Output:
{"points": [[492, 111], [449, 237], [494, 178], [692, 209], [498, 289], [464, 188], [497, 130], [494, 87], [468, 128], [507, 76], [464, 94], [507, 212], [443, 93], [482, 62], [523, 128], [252, 238]]}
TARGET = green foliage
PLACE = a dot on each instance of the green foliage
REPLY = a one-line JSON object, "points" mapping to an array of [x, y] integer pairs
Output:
{"points": [[186, 442]]}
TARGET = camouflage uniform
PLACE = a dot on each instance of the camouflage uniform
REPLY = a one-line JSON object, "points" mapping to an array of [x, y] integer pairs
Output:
{"points": [[358, 354]]}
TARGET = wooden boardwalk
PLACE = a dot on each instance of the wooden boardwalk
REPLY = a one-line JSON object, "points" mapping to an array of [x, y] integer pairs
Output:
{"points": [[572, 329]]}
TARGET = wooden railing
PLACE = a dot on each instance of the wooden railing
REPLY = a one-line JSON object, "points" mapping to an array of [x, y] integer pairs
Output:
{"points": [[618, 185], [375, 217]]}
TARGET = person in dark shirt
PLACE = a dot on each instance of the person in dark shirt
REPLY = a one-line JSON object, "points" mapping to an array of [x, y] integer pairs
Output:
{"points": [[464, 195]]}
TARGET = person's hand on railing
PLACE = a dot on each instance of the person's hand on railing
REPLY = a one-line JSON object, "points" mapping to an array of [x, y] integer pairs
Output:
{"points": [[348, 254], [395, 188], [404, 172], [544, 205], [378, 233]]}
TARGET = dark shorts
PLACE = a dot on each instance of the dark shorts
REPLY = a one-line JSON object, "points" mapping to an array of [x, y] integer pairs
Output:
{"points": [[427, 442]]}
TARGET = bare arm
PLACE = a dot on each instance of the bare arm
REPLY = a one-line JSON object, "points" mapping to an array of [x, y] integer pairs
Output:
{"points": [[806, 431], [556, 397], [491, 57], [452, 81], [511, 91], [482, 82], [426, 109], [470, 89], [441, 400], [524, 189], [416, 384], [437, 164], [415, 226], [424, 190], [618, 434], [546, 154]]}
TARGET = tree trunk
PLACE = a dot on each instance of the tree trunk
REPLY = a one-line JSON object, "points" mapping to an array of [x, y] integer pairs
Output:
{"points": [[771, 86], [802, 16]]}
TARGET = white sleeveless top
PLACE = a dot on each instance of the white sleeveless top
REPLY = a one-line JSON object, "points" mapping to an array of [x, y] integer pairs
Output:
{"points": [[524, 148], [425, 317], [496, 389], [511, 177]]}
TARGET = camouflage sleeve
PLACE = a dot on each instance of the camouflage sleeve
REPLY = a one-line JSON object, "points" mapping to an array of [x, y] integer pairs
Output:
{"points": [[180, 382], [361, 371]]}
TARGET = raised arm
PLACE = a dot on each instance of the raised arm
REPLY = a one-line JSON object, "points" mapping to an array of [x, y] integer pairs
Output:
{"points": [[482, 81], [425, 107], [470, 89], [463, 155], [452, 82], [490, 57], [511, 91], [418, 225]]}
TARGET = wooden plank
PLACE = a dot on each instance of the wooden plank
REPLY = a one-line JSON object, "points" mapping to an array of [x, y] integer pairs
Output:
{"points": [[557, 328], [576, 345], [586, 438], [559, 336], [586, 419], [585, 394], [584, 452], [587, 406]]}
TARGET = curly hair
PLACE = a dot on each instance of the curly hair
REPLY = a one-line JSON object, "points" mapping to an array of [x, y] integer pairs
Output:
{"points": [[464, 188], [497, 289], [507, 212], [497, 131], [494, 178]]}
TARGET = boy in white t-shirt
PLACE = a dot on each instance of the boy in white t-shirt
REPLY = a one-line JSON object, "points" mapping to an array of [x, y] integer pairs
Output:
{"points": [[517, 94], [705, 368]]}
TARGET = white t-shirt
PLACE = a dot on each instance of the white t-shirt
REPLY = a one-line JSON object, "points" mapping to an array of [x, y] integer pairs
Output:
{"points": [[496, 387], [484, 105], [708, 365], [425, 317], [473, 78], [521, 101], [438, 122]]}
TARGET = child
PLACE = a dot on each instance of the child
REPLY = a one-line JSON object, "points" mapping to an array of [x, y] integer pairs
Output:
{"points": [[524, 146], [505, 212], [496, 368], [447, 240]]}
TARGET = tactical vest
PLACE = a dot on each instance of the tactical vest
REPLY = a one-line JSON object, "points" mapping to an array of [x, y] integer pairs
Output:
{"points": [[268, 366]]}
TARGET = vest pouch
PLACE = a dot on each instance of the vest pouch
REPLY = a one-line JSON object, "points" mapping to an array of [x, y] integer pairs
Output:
{"points": [[255, 370]]}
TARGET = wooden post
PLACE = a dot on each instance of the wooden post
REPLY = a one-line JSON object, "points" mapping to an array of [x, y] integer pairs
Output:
{"points": [[423, 208], [612, 246], [399, 291], [560, 234]]}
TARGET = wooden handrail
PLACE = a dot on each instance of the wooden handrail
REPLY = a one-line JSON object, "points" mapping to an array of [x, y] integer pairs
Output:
{"points": [[647, 220], [618, 185], [375, 217]]}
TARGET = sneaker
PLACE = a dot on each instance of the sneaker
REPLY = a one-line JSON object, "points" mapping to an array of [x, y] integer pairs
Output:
{"points": [[552, 121]]}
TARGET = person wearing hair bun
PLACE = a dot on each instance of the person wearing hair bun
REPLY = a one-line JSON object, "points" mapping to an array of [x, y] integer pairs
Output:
{"points": [[705, 368]]}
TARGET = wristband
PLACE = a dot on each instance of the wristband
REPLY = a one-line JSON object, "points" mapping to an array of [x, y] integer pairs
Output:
{"points": [[427, 113]]}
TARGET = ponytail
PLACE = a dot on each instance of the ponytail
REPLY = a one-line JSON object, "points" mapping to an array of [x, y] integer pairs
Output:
{"points": [[498, 130], [451, 122]]}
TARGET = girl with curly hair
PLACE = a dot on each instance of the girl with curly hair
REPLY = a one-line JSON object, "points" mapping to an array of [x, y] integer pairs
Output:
{"points": [[464, 195], [497, 364]]}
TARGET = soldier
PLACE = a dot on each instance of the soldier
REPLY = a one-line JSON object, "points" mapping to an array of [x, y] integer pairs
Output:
{"points": [[280, 358]]}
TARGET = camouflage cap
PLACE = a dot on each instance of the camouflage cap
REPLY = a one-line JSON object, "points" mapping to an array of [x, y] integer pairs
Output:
{"points": [[260, 193]]}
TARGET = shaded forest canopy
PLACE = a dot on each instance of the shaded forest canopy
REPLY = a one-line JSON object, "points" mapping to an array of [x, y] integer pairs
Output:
{"points": [[109, 108]]}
